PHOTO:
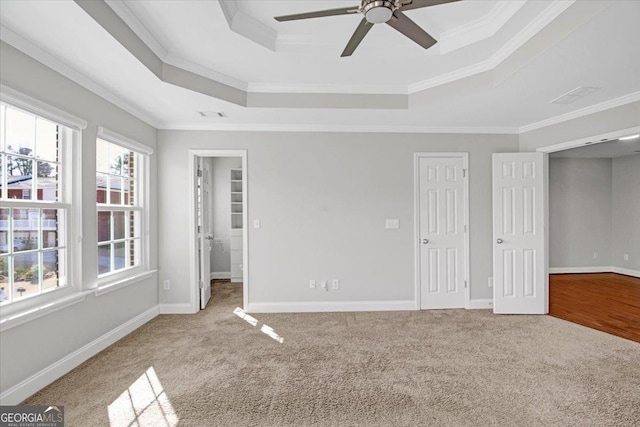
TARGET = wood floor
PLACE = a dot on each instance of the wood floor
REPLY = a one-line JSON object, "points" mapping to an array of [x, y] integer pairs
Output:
{"points": [[607, 302]]}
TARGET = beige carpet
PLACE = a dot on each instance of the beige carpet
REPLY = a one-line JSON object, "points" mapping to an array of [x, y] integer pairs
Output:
{"points": [[440, 368]]}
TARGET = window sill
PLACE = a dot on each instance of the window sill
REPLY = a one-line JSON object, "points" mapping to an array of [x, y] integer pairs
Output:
{"points": [[119, 284], [17, 319]]}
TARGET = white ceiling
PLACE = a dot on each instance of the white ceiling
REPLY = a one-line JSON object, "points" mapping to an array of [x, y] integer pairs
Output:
{"points": [[496, 68]]}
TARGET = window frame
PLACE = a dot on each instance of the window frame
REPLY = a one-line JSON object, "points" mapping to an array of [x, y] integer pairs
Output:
{"points": [[118, 278], [70, 200]]}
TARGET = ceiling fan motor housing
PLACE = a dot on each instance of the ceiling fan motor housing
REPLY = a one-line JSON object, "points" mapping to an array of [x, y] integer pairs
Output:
{"points": [[377, 11]]}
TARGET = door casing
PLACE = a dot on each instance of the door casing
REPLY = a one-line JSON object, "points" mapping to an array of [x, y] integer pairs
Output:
{"points": [[416, 216], [194, 154]]}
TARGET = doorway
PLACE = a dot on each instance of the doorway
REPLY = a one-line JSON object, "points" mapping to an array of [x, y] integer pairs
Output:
{"points": [[218, 222], [441, 230]]}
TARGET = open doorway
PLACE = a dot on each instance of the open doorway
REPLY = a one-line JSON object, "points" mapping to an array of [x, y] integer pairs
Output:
{"points": [[594, 235], [219, 250]]}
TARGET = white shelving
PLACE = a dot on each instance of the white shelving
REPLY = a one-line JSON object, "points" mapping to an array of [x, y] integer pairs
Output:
{"points": [[235, 245]]}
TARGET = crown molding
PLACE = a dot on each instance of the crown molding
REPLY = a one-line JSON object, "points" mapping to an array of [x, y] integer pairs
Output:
{"points": [[178, 62], [603, 106], [479, 29], [247, 26], [541, 21], [328, 88], [126, 14], [263, 127], [28, 48]]}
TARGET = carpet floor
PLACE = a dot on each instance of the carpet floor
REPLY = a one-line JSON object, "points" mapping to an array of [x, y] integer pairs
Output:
{"points": [[440, 368]]}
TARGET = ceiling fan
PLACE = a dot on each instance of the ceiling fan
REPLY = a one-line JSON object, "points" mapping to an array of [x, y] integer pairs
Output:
{"points": [[378, 12]]}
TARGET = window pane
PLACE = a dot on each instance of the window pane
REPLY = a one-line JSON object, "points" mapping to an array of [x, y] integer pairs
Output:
{"points": [[2, 126], [104, 226], [102, 156], [4, 231], [4, 279], [52, 236], [116, 190], [132, 193], [19, 176], [51, 266], [101, 188], [47, 181], [46, 140], [104, 259], [118, 225], [25, 224], [20, 132], [120, 261], [119, 160], [26, 275]]}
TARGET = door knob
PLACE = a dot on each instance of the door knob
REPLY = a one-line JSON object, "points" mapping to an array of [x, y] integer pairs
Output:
{"points": [[209, 237], [499, 241], [425, 241]]}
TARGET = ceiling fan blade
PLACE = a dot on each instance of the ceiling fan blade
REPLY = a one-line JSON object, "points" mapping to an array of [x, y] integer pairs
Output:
{"points": [[406, 26], [318, 14], [417, 4], [356, 38]]}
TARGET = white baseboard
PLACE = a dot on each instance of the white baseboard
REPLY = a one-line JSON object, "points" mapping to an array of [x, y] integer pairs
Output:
{"points": [[330, 306], [36, 382], [626, 271], [569, 270], [176, 309], [221, 275], [480, 304]]}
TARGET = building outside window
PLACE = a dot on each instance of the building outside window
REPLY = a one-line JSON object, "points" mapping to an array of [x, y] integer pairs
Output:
{"points": [[35, 202], [120, 183]]}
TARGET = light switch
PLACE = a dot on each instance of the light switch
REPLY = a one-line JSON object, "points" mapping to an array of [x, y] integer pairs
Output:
{"points": [[392, 224], [256, 223]]}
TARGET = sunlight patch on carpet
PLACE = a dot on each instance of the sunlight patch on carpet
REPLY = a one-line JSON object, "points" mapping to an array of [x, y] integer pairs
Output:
{"points": [[245, 316], [144, 403], [269, 331]]}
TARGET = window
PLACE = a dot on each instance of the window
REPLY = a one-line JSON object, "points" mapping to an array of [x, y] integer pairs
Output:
{"points": [[120, 187], [35, 204]]}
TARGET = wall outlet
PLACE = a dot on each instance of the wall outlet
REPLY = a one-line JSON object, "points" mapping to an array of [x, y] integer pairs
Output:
{"points": [[312, 284], [167, 285], [490, 282], [625, 257], [324, 285], [335, 284], [256, 223], [595, 255]]}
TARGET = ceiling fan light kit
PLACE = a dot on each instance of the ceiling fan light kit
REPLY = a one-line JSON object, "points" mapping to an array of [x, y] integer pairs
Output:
{"points": [[378, 12]]}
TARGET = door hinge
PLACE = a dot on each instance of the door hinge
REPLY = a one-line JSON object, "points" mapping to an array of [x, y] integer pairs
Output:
{"points": [[199, 173], [198, 229], [201, 284], [465, 284], [465, 228], [464, 173]]}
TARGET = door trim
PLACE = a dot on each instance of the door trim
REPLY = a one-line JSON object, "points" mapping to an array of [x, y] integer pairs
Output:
{"points": [[416, 219], [194, 299]]}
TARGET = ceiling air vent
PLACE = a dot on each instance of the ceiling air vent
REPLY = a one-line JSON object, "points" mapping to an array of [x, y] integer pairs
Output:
{"points": [[213, 114], [574, 95]]}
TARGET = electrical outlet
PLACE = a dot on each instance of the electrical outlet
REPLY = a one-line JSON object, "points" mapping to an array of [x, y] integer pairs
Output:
{"points": [[392, 224], [312, 284], [256, 223], [167, 285], [335, 284], [490, 281], [324, 285], [595, 255], [626, 257]]}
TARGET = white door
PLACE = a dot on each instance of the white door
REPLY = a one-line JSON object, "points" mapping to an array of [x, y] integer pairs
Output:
{"points": [[519, 255], [205, 237], [442, 232]]}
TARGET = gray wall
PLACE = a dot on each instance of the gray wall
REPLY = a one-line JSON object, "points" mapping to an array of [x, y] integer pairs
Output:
{"points": [[579, 212], [221, 210], [322, 199], [626, 212], [28, 348], [623, 117]]}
